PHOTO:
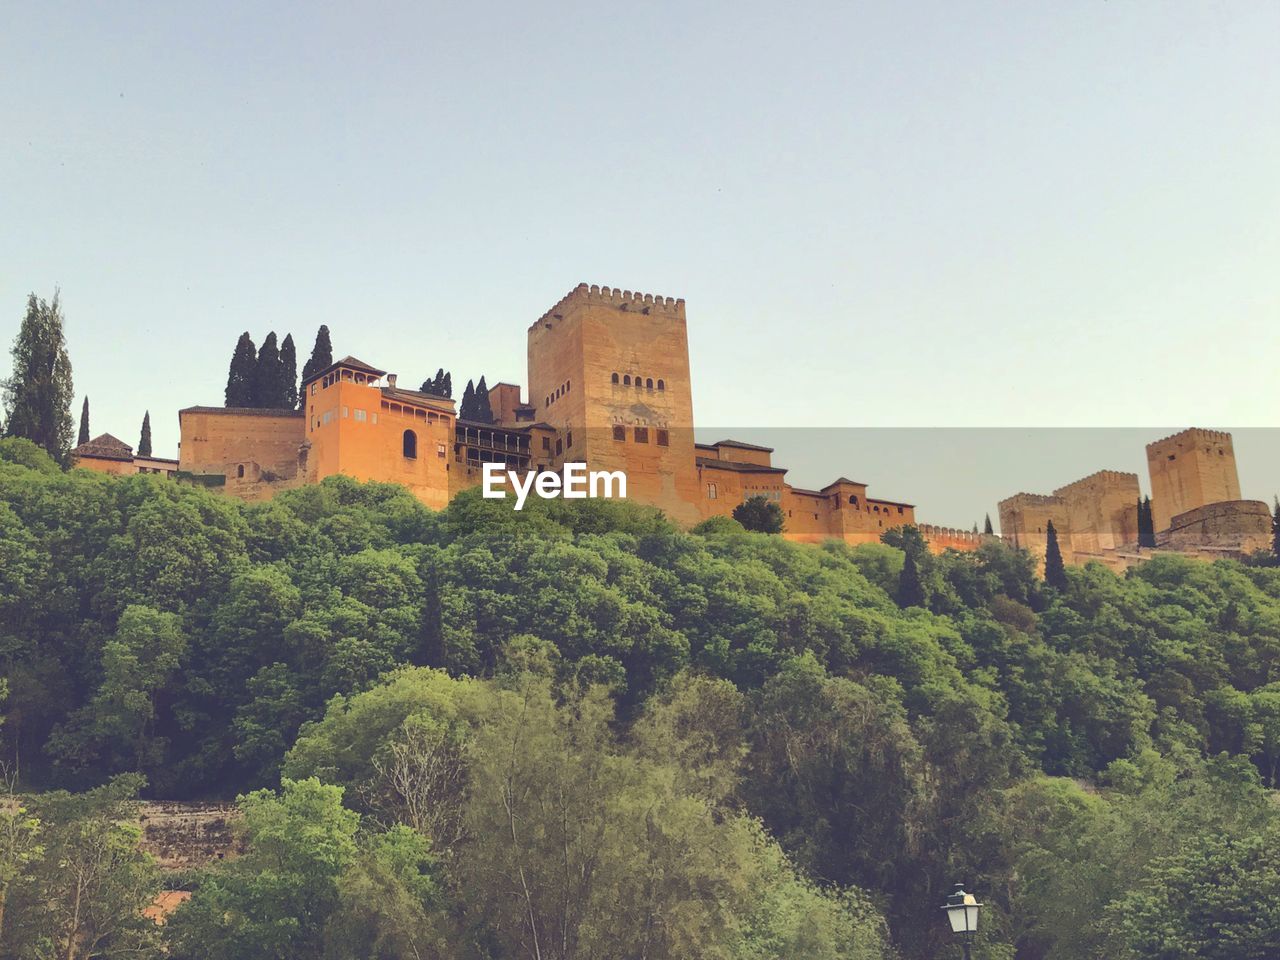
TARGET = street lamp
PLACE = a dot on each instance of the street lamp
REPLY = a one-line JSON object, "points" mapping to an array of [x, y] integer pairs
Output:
{"points": [[962, 912]]}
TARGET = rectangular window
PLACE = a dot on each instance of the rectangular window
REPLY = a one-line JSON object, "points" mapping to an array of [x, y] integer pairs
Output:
{"points": [[344, 413], [440, 450], [642, 434], [712, 492], [899, 509], [313, 388], [546, 443], [327, 416], [568, 440], [664, 438], [559, 448], [619, 432], [361, 416]]}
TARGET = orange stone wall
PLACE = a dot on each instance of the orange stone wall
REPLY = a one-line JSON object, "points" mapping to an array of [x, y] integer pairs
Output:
{"points": [[1024, 522], [218, 441], [1102, 510]]}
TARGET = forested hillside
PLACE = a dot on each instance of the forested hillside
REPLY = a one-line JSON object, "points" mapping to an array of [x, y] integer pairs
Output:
{"points": [[579, 731]]}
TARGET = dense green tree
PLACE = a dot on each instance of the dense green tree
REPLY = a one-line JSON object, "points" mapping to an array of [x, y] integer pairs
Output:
{"points": [[289, 372], [275, 900], [759, 514], [987, 528], [84, 423], [144, 439], [1055, 571], [1146, 524], [441, 384], [1216, 899], [84, 894], [242, 376], [37, 397], [321, 357]]}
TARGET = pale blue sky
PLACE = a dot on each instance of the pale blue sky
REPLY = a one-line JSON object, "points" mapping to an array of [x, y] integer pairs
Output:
{"points": [[893, 214]]}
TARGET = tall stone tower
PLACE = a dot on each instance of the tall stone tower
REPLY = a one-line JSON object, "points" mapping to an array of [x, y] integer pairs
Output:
{"points": [[1189, 470], [609, 369]]}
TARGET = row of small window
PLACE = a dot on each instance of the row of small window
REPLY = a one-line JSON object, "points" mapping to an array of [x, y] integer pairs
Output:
{"points": [[639, 382], [360, 416], [560, 391], [561, 445], [662, 437], [410, 446]]}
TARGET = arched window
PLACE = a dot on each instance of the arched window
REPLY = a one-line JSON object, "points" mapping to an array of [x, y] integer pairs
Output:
{"points": [[853, 499], [615, 378], [661, 385], [648, 383], [240, 470], [410, 445], [626, 381]]}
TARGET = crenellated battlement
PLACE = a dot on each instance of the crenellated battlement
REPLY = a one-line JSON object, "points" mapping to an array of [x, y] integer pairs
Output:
{"points": [[1099, 477], [617, 298], [946, 535], [1193, 433], [1030, 500]]}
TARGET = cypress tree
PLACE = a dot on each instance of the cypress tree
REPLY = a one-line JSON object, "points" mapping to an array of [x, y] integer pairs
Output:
{"points": [[84, 423], [1275, 530], [484, 412], [1055, 572], [321, 356], [1146, 524], [144, 441], [240, 377], [431, 647], [987, 528], [446, 386], [39, 394], [266, 375], [467, 409], [288, 373], [910, 589]]}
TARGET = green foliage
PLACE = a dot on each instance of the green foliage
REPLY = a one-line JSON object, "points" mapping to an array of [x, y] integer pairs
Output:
{"points": [[987, 528], [441, 384], [37, 397], [728, 712], [483, 411], [760, 515], [268, 386], [467, 408], [242, 374]]}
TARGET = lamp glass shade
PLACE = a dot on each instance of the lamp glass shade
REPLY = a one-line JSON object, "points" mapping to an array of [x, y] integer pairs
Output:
{"points": [[962, 912]]}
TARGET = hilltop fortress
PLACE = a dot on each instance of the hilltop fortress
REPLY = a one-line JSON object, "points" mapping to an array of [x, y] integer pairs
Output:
{"points": [[1195, 506], [609, 385]]}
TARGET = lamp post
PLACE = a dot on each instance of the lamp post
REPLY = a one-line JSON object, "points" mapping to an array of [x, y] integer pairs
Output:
{"points": [[962, 912]]}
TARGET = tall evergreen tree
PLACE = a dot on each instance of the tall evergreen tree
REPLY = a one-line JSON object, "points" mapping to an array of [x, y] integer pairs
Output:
{"points": [[144, 441], [240, 377], [910, 589], [1055, 571], [484, 412], [1275, 530], [267, 387], [321, 356], [467, 409], [84, 423], [446, 386], [431, 647], [289, 372], [38, 396], [1146, 524], [987, 528]]}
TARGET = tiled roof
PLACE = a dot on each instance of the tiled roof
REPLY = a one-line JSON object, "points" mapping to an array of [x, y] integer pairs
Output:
{"points": [[742, 446], [105, 447], [738, 466]]}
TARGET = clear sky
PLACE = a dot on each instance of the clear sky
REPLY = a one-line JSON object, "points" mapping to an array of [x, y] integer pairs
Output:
{"points": [[891, 214]]}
